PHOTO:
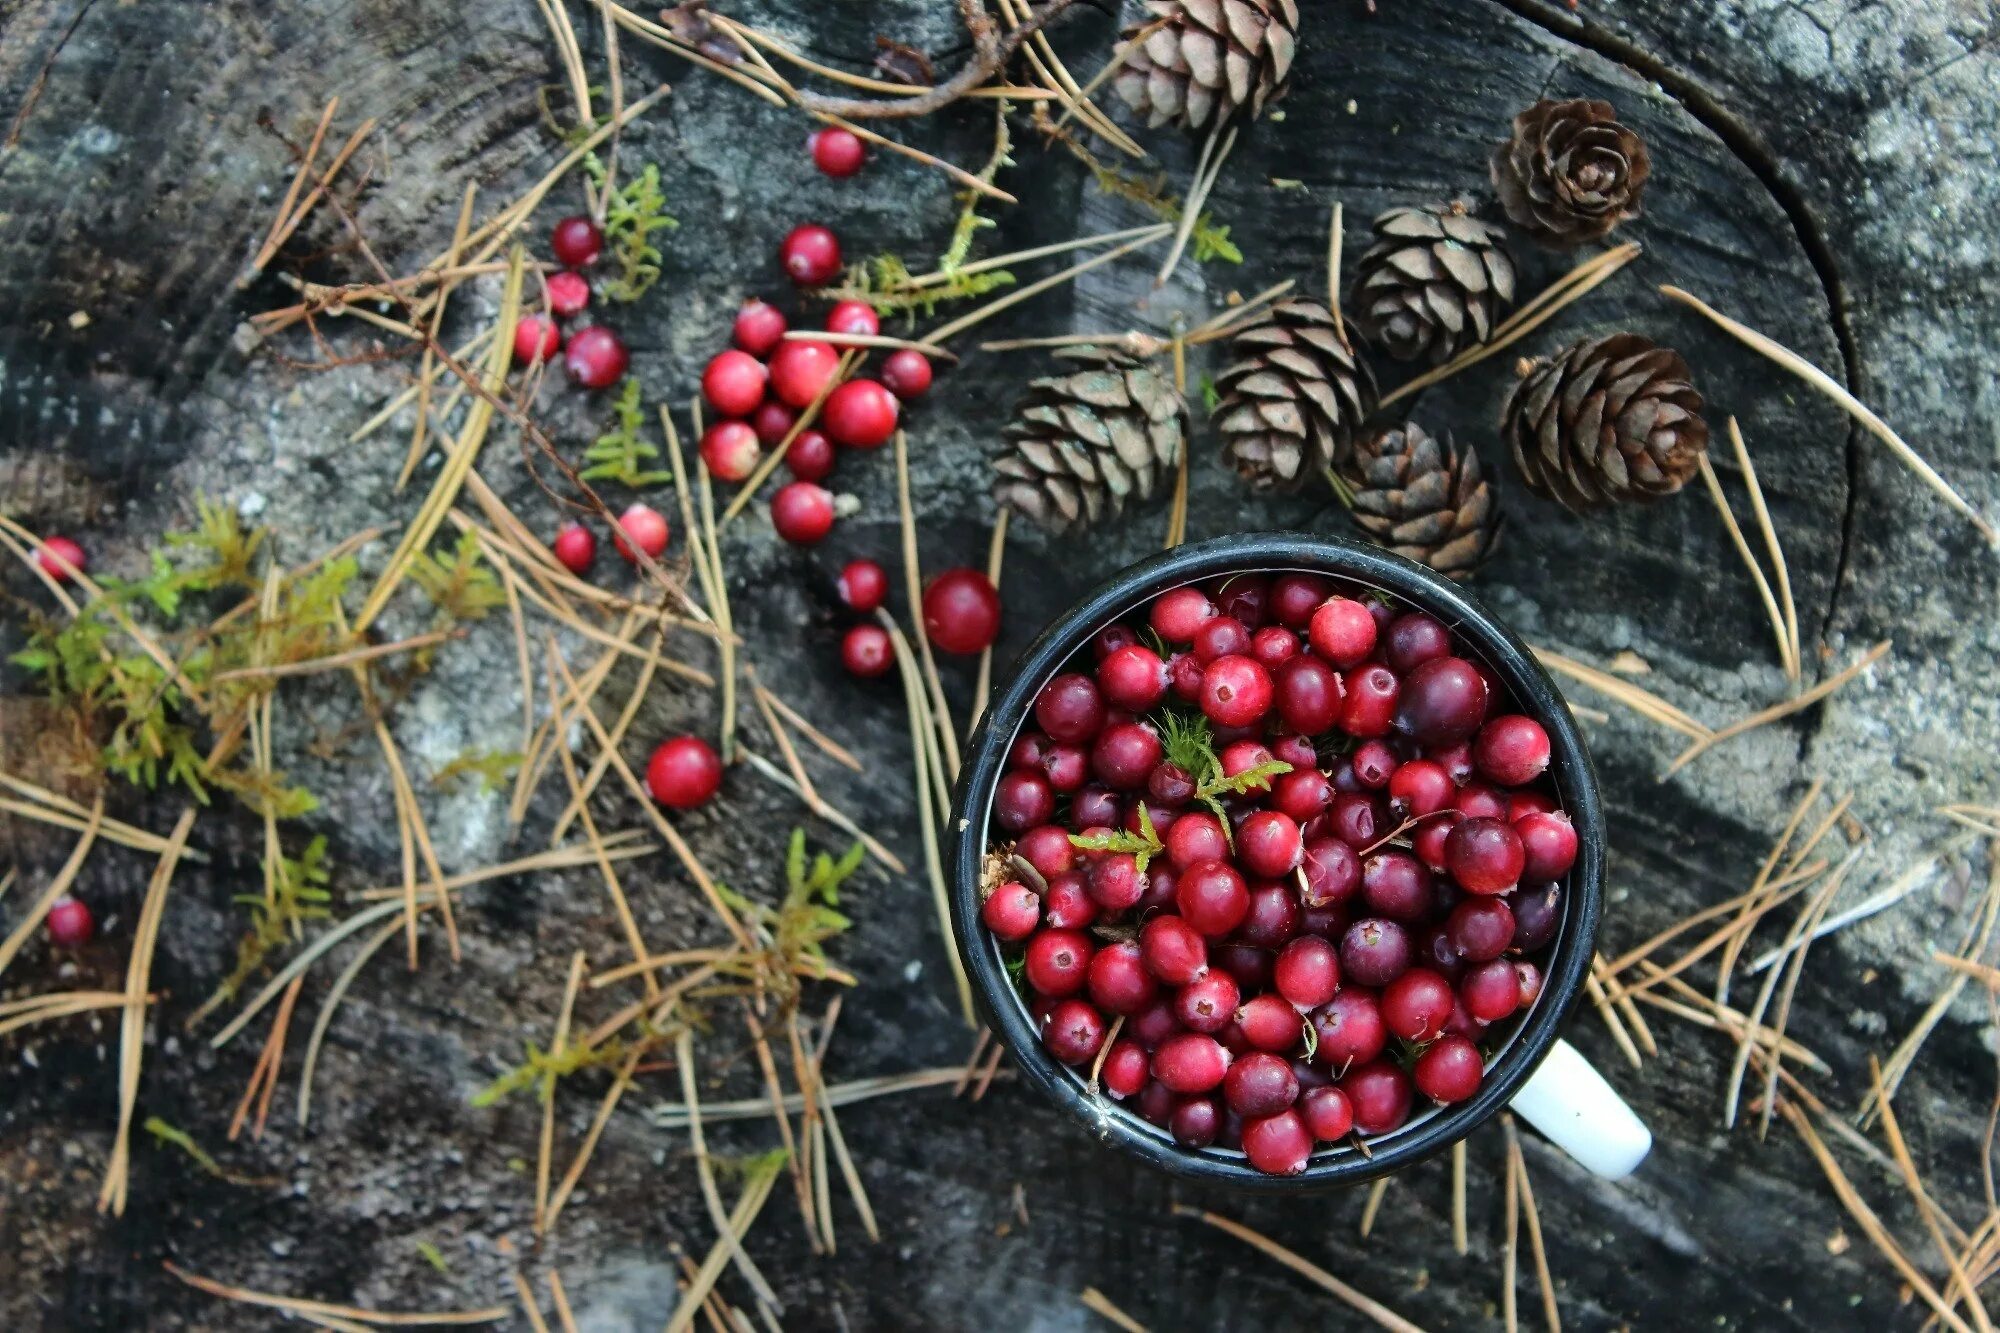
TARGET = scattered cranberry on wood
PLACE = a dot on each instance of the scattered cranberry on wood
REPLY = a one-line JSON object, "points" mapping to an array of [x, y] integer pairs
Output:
{"points": [[683, 773]]}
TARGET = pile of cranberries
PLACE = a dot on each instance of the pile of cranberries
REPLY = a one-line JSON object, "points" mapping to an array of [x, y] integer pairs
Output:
{"points": [[594, 355], [1350, 877]]}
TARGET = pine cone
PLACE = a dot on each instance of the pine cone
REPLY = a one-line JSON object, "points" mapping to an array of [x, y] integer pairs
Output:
{"points": [[1083, 442], [1571, 172], [1420, 498], [1609, 419], [1292, 398], [1202, 61], [1435, 283]]}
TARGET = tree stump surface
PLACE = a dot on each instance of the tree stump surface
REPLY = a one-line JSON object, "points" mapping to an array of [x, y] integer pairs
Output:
{"points": [[1824, 171]]}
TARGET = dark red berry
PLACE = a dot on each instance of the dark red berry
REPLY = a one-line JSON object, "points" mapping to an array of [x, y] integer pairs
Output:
{"points": [[1068, 904], [1074, 1033], [961, 611], [1249, 965], [1521, 804], [70, 923], [860, 414], [536, 338], [1428, 841], [1070, 709], [1057, 962], [1307, 972], [810, 455], [1174, 951], [837, 152], [1350, 1028], [1374, 952], [1245, 598], [810, 255], [1333, 872], [1278, 1145], [1548, 845], [907, 373], [1097, 807], [1048, 849], [576, 548], [1022, 800], [1380, 1094], [1443, 700], [1195, 1122], [1328, 1115], [773, 422], [867, 651], [1124, 755], [1436, 952], [1269, 845], [1153, 1024], [1481, 928], [1119, 982], [1127, 1069], [1294, 598], [802, 512], [1511, 750], [1195, 838], [1491, 991], [1012, 911], [1303, 793], [596, 358], [1208, 1003], [1309, 695], [1357, 820], [1455, 759], [1417, 1004], [1396, 885], [1537, 916], [863, 586], [1114, 880], [1449, 1071], [853, 317], [1184, 677], [644, 528], [576, 242], [1484, 856], [1156, 1102], [1369, 708], [1133, 678], [1373, 765], [1274, 645], [1272, 920], [684, 772], [1259, 1085], [1190, 1062], [569, 294], [801, 369], [1220, 636], [1269, 1024], [1414, 639], [1065, 766], [1342, 632], [1212, 897], [1420, 787], [729, 450], [759, 328], [1177, 614]]}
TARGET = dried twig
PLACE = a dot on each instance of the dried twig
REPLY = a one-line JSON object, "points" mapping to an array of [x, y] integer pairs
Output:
{"points": [[1100, 1305], [1373, 1205], [1373, 1309], [991, 51], [1647, 705], [1786, 659], [295, 1305]]}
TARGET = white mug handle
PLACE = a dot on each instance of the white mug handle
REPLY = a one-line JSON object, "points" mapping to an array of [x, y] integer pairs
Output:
{"points": [[1575, 1109]]}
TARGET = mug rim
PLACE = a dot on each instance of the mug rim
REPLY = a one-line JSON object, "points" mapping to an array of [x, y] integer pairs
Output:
{"points": [[1498, 647]]}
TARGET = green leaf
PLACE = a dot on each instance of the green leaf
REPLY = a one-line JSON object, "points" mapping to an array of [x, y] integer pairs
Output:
{"points": [[1255, 778], [634, 209], [621, 453], [1211, 397]]}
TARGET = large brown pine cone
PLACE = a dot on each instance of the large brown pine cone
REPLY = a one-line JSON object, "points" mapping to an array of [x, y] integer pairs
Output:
{"points": [[1435, 283], [1084, 442], [1607, 420], [1292, 397], [1571, 172], [1194, 63], [1419, 497]]}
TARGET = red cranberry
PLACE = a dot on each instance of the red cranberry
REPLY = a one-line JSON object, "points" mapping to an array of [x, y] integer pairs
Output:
{"points": [[1416, 1004], [1153, 1024], [1070, 709], [1373, 765], [61, 558], [1235, 691], [1195, 1122], [1119, 982], [1357, 819], [1396, 885], [645, 528], [1191, 1062], [860, 414], [1449, 1071], [863, 586], [1273, 917], [837, 152], [1127, 1069], [1294, 598], [1095, 806], [1111, 638], [1066, 767], [733, 383], [810, 456], [1530, 978], [1380, 1094], [1212, 897], [802, 512], [853, 317], [1413, 640], [1124, 755], [1327, 920], [683, 773], [1274, 645], [1443, 700], [1220, 636], [1156, 1102], [1021, 801], [1277, 1145], [1239, 757], [1430, 837], [1029, 750], [1333, 872], [1012, 911], [576, 242], [1208, 1003], [866, 651], [1196, 838], [536, 339], [1074, 1033], [1173, 950], [1455, 760], [1342, 632], [596, 358], [1057, 962], [907, 373], [1491, 991], [1178, 613], [1350, 1028], [70, 923], [1259, 1084], [1249, 965], [1309, 695], [810, 255], [1047, 849], [961, 611], [1268, 1023], [1133, 678], [1537, 916], [1420, 787], [1463, 1024], [1302, 793], [1476, 800], [1548, 844], [1184, 677], [1521, 804], [1244, 597], [575, 548], [1374, 952], [1268, 844], [1481, 928], [1114, 881], [1484, 856], [1327, 1113], [760, 327], [773, 422], [1436, 952], [1068, 904], [1370, 706], [1511, 750], [801, 369], [730, 450], [1160, 881], [1308, 972]]}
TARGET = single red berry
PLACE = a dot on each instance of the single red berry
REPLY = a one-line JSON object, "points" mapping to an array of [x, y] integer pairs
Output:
{"points": [[1259, 1084], [1245, 597], [1268, 844], [1484, 856], [1414, 639], [810, 255], [1273, 917], [1177, 614], [1537, 916], [1548, 845], [1309, 695], [1070, 709], [1127, 1069], [568, 294], [1153, 1024], [1481, 928], [1450, 1071], [863, 586], [1342, 632], [1528, 801], [576, 242], [1249, 965], [733, 383], [683, 773], [1124, 755], [536, 339], [730, 450], [801, 369], [1236, 691], [1381, 1095], [1274, 645], [1333, 872], [1048, 849], [1417, 1004], [1429, 840], [1491, 991], [1118, 980], [1212, 897], [810, 456], [1219, 636], [1307, 972], [1374, 952], [1303, 793], [1097, 808], [1396, 885], [1067, 905], [1012, 911], [1294, 598], [61, 559], [760, 327], [1512, 750], [1278, 1145], [1196, 1122], [1455, 759], [1349, 1028], [1369, 708], [1057, 962], [961, 611], [907, 372], [802, 512], [860, 414], [576, 548], [1239, 757], [867, 652], [1184, 677], [1269, 1024], [1476, 800], [837, 152], [1530, 978], [1133, 677], [1114, 881], [1357, 819], [1327, 1113], [1443, 701], [1418, 788], [596, 358], [1208, 1003], [1074, 1032], [853, 317], [70, 923], [1022, 800], [1374, 764], [772, 421], [1190, 1062], [1173, 950], [1196, 838], [645, 528]]}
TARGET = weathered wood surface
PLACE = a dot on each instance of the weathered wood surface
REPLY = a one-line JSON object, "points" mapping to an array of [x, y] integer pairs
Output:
{"points": [[1826, 171]]}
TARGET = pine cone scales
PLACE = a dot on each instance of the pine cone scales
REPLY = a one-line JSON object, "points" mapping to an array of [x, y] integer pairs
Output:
{"points": [[1434, 284], [1198, 62], [1608, 420], [1571, 172], [1420, 498], [1293, 397], [1084, 442]]}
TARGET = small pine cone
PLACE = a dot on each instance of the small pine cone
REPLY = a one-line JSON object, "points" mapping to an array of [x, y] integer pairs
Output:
{"points": [[1420, 498], [1084, 442], [1292, 397], [1608, 420], [1434, 284], [1199, 62], [1571, 172]]}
